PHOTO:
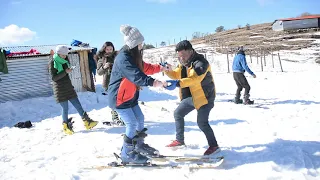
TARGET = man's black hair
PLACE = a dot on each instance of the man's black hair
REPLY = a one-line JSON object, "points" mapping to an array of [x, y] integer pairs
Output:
{"points": [[184, 45]]}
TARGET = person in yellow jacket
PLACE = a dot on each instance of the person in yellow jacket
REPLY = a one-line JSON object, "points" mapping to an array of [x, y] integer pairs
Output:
{"points": [[197, 91]]}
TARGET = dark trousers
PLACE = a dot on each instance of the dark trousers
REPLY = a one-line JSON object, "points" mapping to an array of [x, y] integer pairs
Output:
{"points": [[241, 82], [184, 108]]}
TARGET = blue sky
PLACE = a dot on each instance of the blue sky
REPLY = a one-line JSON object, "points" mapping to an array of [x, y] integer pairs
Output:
{"points": [[40, 22]]}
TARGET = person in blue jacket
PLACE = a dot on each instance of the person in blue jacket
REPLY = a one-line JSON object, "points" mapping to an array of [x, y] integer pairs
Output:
{"points": [[129, 73], [239, 67]]}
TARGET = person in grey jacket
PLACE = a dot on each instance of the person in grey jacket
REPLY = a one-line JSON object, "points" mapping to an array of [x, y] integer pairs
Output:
{"points": [[59, 67]]}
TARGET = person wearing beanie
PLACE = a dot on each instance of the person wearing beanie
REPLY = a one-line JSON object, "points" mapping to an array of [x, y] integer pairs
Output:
{"points": [[129, 73], [197, 91], [59, 67], [239, 67], [106, 56]]}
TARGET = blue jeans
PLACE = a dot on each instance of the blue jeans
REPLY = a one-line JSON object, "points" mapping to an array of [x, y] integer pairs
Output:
{"points": [[76, 104], [133, 118]]}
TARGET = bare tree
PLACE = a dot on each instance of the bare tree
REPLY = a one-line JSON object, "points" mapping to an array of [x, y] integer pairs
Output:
{"points": [[148, 46], [248, 26], [196, 35], [304, 14], [220, 29]]}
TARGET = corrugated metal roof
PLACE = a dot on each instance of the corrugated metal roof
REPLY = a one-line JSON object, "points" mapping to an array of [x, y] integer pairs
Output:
{"points": [[41, 49], [299, 18]]}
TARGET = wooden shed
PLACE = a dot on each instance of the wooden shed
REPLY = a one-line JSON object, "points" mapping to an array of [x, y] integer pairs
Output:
{"points": [[28, 74]]}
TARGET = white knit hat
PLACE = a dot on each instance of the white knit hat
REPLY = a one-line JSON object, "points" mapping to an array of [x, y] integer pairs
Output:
{"points": [[62, 49], [132, 36]]}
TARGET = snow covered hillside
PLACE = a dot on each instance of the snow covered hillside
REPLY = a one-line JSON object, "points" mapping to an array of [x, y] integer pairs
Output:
{"points": [[276, 138]]}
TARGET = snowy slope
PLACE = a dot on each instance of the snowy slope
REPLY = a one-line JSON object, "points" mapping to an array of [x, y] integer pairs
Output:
{"points": [[277, 138]]}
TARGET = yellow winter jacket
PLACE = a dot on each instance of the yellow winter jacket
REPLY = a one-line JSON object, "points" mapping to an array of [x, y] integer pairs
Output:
{"points": [[195, 81]]}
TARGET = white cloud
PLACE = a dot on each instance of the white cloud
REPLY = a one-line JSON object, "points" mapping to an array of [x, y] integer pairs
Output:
{"points": [[162, 1], [13, 34]]}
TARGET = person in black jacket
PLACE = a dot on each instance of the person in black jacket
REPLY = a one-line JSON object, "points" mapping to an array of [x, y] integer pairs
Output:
{"points": [[59, 67]]}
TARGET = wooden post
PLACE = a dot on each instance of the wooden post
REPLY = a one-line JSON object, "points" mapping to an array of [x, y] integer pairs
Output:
{"points": [[84, 55], [86, 59], [264, 58], [261, 61], [228, 61], [280, 62], [257, 57], [82, 70], [272, 59], [161, 61], [250, 57], [212, 58]]}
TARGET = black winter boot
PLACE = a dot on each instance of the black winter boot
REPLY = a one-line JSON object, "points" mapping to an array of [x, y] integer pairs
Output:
{"points": [[246, 99], [237, 99]]}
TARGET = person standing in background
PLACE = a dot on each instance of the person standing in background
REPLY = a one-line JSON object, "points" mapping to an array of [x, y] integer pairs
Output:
{"points": [[59, 67], [106, 56]]}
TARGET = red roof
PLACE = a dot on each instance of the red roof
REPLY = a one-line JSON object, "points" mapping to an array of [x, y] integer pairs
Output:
{"points": [[299, 18]]}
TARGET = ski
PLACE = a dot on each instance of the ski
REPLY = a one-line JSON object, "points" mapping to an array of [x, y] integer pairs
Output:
{"points": [[175, 162], [203, 159], [163, 158], [114, 164], [155, 166]]}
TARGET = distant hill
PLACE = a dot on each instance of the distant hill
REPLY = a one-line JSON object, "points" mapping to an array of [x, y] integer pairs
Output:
{"points": [[260, 36], [304, 44]]}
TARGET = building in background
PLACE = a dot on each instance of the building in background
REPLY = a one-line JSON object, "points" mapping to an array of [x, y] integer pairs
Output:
{"points": [[28, 74], [296, 23]]}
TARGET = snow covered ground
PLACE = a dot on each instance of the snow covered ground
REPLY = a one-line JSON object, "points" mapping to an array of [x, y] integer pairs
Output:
{"points": [[277, 138]]}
